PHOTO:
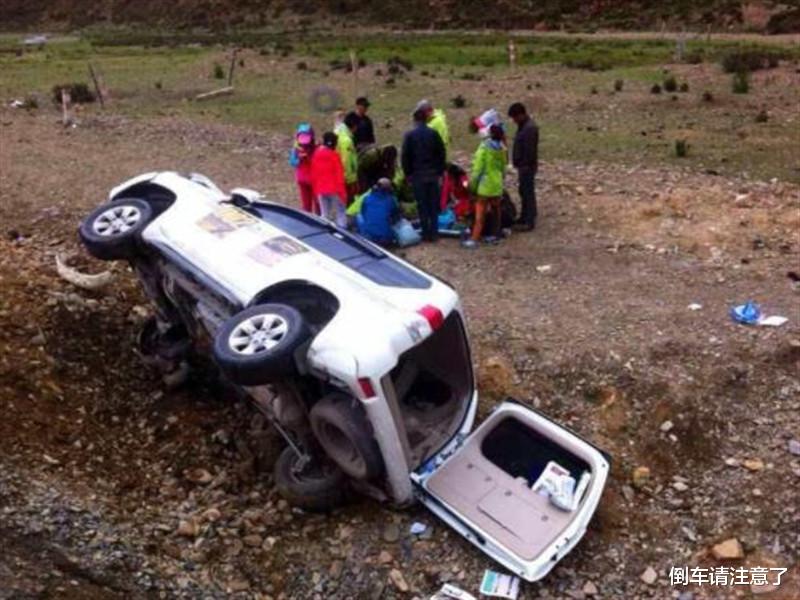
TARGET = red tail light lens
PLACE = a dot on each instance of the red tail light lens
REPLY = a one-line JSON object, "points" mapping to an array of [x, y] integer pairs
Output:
{"points": [[366, 387], [432, 315]]}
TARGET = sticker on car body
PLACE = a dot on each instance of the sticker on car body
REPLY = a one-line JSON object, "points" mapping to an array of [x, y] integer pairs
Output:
{"points": [[275, 250]]}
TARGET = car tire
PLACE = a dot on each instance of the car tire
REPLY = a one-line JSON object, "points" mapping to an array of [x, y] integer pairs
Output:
{"points": [[342, 429], [318, 488], [112, 231], [257, 345]]}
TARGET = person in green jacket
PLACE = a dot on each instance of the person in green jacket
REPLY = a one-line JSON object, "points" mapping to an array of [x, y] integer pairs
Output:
{"points": [[486, 183], [436, 120], [346, 148]]}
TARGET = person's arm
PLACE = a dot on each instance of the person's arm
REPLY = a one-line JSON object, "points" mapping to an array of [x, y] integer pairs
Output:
{"points": [[369, 131], [529, 154], [440, 153], [535, 148], [406, 156], [478, 166]]}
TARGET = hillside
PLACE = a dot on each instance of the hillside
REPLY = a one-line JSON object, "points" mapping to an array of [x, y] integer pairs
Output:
{"points": [[761, 15]]}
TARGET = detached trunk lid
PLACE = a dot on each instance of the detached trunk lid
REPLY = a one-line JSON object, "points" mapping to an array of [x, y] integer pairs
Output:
{"points": [[502, 488]]}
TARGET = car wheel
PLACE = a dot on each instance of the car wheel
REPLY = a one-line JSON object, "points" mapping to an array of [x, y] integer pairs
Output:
{"points": [[342, 429], [258, 345], [111, 232], [317, 487]]}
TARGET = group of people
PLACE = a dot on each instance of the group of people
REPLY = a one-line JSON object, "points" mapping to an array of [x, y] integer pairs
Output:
{"points": [[349, 179]]}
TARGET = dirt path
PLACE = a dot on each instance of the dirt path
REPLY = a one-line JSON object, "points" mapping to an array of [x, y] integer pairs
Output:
{"points": [[99, 496]]}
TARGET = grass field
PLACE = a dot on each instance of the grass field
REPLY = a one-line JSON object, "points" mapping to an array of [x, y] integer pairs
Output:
{"points": [[569, 82]]}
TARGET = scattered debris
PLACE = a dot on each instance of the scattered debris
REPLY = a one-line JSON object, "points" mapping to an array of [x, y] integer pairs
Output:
{"points": [[451, 592], [544, 268], [772, 321], [225, 91], [82, 280], [499, 585], [666, 426], [753, 464], [695, 306], [398, 580], [794, 447], [198, 476], [417, 528], [640, 477]]}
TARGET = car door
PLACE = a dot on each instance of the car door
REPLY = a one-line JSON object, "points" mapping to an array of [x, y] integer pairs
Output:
{"points": [[505, 488]]}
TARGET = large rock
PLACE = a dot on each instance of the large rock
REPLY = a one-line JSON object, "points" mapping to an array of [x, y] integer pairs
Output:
{"points": [[730, 549]]}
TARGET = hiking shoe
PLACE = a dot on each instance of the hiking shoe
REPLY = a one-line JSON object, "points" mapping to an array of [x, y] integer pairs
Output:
{"points": [[469, 244], [491, 239]]}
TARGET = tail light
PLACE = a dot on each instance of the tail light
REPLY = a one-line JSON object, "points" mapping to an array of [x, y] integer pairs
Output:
{"points": [[432, 315], [366, 387]]}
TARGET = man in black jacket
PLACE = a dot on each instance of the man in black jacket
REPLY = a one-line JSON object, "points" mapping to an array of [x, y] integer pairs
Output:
{"points": [[525, 158], [365, 134], [423, 160]]}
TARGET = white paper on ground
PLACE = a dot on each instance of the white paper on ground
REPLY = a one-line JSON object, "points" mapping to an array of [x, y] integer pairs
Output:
{"points": [[695, 306], [773, 321], [500, 585], [451, 592]]}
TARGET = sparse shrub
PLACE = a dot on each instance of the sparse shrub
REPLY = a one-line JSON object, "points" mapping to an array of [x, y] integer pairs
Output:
{"points": [[618, 84], [79, 93], [708, 96], [684, 88], [762, 116], [241, 63], [587, 64], [302, 66], [390, 81], [472, 77], [378, 73], [681, 148], [750, 60], [219, 72], [264, 52], [401, 62], [670, 84], [694, 58], [393, 69], [338, 64], [741, 82], [424, 73], [593, 91], [459, 101], [31, 102], [362, 63], [158, 85], [656, 89]]}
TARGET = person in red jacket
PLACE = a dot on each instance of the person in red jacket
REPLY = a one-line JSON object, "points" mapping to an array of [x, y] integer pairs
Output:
{"points": [[327, 180]]}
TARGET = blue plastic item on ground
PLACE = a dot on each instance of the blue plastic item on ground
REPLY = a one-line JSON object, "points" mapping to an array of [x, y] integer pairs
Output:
{"points": [[447, 219], [748, 313], [405, 233]]}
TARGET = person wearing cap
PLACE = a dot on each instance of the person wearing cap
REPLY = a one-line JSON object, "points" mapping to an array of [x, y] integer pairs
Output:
{"points": [[436, 120], [364, 135], [423, 161], [300, 160], [346, 148], [378, 211], [486, 182], [525, 158]]}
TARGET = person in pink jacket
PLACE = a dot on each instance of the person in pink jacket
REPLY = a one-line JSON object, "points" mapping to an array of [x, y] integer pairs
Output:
{"points": [[327, 180], [300, 159]]}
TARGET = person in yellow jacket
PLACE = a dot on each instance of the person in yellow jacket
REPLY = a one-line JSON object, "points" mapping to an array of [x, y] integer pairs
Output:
{"points": [[436, 120], [346, 148], [486, 182]]}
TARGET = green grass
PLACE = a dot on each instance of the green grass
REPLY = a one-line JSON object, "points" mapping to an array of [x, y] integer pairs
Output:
{"points": [[272, 95]]}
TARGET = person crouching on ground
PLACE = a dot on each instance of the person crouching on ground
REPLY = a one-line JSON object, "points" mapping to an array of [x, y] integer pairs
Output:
{"points": [[346, 148], [423, 162], [486, 182], [300, 160], [327, 180], [378, 211]]}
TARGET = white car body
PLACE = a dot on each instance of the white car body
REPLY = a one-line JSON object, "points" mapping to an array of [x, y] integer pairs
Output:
{"points": [[359, 350]]}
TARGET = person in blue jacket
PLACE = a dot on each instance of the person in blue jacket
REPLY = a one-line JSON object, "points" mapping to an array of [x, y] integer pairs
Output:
{"points": [[378, 211]]}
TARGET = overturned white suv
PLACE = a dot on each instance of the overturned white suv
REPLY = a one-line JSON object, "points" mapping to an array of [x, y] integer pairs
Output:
{"points": [[359, 359]]}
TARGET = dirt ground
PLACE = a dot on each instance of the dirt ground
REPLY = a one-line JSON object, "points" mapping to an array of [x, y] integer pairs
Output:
{"points": [[113, 487]]}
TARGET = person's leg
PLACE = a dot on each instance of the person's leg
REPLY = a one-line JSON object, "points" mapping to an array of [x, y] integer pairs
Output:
{"points": [[418, 188], [306, 196], [527, 217], [494, 209], [341, 215], [434, 200], [325, 205], [480, 217], [534, 207]]}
